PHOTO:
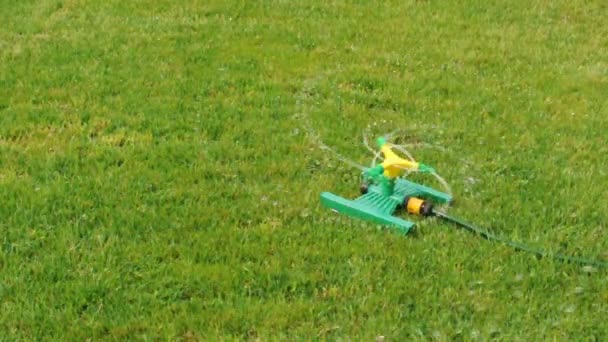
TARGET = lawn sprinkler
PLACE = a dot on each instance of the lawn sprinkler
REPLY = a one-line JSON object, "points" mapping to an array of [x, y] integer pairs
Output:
{"points": [[385, 191]]}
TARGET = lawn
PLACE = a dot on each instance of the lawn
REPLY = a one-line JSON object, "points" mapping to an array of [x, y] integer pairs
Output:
{"points": [[161, 164]]}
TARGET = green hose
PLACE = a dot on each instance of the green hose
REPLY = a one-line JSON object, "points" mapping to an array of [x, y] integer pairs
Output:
{"points": [[518, 246]]}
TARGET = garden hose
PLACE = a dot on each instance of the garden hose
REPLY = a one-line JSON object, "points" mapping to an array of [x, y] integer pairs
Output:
{"points": [[421, 207]]}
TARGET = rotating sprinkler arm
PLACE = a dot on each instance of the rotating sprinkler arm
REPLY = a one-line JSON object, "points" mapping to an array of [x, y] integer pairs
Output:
{"points": [[393, 165]]}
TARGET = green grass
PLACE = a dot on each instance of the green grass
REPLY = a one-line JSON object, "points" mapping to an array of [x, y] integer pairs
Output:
{"points": [[159, 181]]}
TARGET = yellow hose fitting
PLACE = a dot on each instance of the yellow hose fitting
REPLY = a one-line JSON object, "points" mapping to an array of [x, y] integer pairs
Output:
{"points": [[417, 206]]}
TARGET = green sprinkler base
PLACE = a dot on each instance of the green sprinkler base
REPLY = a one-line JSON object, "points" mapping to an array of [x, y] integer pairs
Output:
{"points": [[376, 207]]}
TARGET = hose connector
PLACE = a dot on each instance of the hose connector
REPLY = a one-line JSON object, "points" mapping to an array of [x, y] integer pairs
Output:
{"points": [[417, 206]]}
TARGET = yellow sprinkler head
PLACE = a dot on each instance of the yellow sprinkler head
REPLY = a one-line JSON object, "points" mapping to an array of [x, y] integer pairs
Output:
{"points": [[394, 165]]}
